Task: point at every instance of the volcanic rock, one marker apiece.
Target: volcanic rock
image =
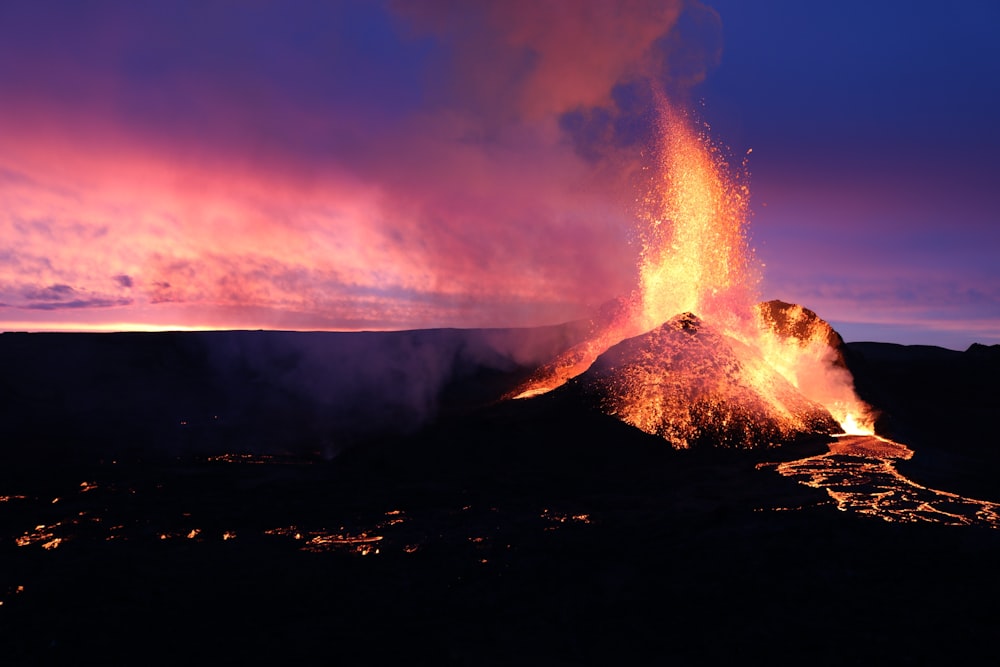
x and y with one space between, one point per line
791 320
695 387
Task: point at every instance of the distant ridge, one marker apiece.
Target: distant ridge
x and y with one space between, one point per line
898 352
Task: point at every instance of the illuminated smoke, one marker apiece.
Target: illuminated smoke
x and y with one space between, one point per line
533 58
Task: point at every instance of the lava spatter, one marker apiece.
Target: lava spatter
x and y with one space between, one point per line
694 386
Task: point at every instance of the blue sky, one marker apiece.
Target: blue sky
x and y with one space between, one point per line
874 135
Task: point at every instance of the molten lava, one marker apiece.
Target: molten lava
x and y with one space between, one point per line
695 256
859 475
695 259
810 354
694 386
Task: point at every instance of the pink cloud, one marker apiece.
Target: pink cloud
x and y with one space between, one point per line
428 223
437 215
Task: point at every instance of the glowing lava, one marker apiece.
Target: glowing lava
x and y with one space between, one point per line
694 386
695 255
695 258
859 475
809 354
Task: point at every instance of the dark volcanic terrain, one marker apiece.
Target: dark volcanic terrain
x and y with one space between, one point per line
363 498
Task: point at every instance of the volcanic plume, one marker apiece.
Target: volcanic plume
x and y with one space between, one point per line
690 355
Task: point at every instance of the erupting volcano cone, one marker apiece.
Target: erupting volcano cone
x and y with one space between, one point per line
734 375
694 386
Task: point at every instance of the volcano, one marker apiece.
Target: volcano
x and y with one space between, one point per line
690 355
695 387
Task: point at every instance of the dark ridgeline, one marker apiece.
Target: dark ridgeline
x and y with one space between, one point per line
150 395
943 403
543 531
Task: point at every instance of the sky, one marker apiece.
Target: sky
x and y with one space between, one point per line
397 165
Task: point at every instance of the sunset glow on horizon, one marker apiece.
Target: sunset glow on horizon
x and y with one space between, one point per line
373 166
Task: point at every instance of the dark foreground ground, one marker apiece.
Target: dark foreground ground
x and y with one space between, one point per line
456 531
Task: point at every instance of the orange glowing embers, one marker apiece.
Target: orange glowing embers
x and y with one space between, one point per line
743 378
188 535
53 534
692 225
43 535
16 590
256 459
557 519
362 542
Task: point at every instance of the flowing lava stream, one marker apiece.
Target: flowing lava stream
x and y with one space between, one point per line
859 475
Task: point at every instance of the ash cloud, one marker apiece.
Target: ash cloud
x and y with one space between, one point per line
675 63
528 59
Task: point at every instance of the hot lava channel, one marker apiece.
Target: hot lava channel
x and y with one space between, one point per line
859 475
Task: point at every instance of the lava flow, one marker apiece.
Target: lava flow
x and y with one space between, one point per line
757 372
859 475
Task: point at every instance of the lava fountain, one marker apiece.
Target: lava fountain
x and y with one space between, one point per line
743 367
